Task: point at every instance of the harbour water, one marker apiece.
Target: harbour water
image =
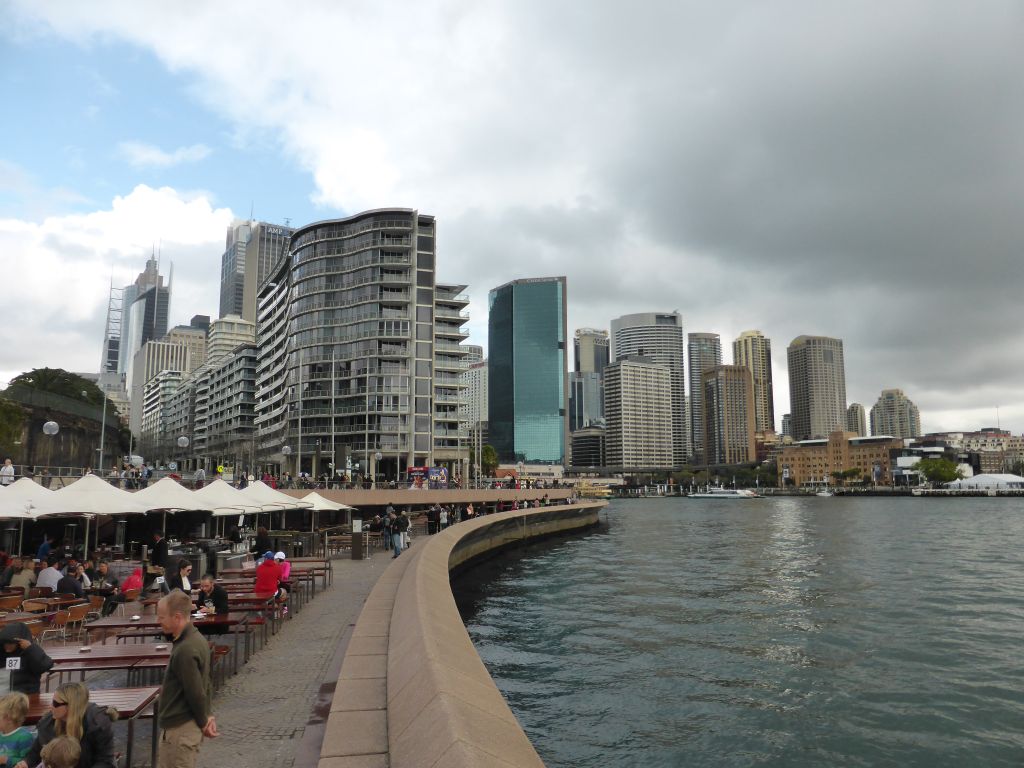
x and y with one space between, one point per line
775 632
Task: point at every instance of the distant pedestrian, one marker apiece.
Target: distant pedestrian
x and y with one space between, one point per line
185 708
7 473
199 478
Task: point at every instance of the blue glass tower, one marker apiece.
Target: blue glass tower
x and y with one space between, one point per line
527 379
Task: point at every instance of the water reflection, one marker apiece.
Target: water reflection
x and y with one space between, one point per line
793 632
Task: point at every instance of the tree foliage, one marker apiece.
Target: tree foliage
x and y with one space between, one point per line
488 460
59 382
938 470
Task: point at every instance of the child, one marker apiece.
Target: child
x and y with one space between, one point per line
23 656
62 752
15 740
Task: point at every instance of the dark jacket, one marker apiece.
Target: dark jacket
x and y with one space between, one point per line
97 739
34 661
186 693
261 545
218 599
159 554
69 585
173 582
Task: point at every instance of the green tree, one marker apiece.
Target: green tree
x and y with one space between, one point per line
938 470
488 460
59 382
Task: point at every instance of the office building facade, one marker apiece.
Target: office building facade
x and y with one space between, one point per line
754 351
658 336
817 386
729 415
856 420
528 415
704 353
638 415
251 249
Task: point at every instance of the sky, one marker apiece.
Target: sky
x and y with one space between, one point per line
820 167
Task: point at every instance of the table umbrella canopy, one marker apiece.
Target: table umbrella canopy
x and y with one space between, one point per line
89 495
321 504
167 494
20 500
225 500
261 493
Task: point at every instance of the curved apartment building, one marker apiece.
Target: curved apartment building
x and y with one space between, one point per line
360 350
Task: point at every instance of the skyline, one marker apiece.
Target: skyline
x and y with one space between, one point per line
811 159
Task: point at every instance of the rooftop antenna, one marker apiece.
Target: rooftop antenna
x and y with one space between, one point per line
252 205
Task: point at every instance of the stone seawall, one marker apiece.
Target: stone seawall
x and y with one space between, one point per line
413 691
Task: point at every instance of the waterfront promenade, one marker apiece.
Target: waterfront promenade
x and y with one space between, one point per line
412 690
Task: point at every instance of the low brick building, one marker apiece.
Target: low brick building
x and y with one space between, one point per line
810 463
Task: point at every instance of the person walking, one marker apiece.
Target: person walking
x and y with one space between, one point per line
185 708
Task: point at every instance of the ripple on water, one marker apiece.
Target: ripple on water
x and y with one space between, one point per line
791 632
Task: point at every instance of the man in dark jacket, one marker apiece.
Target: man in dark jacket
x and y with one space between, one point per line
185 697
213 598
24 657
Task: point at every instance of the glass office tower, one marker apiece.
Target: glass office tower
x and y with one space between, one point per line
527 380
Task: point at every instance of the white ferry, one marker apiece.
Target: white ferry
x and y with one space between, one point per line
725 493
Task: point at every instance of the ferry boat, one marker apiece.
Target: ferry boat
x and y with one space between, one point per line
718 492
590 491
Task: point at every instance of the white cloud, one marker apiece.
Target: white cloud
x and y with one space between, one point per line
806 168
142 155
58 272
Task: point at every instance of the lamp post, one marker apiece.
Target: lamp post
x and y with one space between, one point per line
50 429
286 451
377 456
183 442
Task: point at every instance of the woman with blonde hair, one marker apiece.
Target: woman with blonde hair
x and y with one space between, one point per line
72 715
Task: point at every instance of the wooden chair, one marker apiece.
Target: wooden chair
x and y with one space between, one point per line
11 602
96 603
58 627
36 628
130 596
34 606
40 592
76 619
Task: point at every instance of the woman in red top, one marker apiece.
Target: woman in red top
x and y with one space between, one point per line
268 576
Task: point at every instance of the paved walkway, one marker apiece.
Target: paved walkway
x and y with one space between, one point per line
273 711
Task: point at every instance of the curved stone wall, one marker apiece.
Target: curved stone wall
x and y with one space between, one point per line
413 691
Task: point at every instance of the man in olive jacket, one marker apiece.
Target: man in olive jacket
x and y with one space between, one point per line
185 709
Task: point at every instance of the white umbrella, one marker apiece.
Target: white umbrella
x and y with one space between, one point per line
88 496
261 493
20 500
225 500
321 504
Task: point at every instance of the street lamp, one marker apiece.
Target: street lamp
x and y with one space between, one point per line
286 451
378 456
50 429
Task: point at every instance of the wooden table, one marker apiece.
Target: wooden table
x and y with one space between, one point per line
151 623
58 602
104 657
129 703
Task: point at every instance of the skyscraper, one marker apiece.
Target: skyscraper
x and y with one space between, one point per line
527 377
250 250
638 399
658 336
895 415
586 383
704 352
729 422
754 351
590 350
145 306
817 386
856 421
